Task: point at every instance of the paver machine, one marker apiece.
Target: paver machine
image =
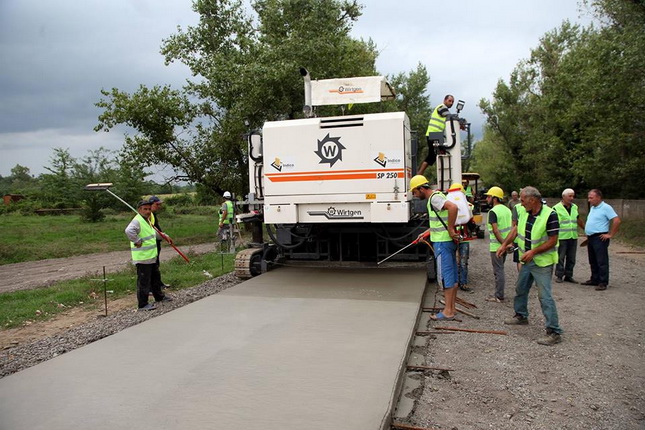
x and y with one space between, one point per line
334 189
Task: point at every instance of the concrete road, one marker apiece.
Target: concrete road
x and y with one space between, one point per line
296 348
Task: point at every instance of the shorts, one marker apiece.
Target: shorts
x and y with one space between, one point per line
445 253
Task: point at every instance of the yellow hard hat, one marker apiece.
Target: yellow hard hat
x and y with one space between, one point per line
495 192
456 187
417 181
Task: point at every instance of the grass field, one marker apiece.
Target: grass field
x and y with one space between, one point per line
21 307
30 238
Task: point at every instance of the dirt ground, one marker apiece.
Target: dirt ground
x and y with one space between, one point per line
594 379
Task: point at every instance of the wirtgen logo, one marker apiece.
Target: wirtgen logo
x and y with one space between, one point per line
333 213
330 150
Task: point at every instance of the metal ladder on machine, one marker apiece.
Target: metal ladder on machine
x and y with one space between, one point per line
444 169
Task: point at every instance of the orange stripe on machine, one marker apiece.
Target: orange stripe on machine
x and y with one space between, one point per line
336 176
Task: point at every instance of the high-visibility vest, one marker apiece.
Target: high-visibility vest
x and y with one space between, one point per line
438 233
504 224
538 237
437 122
468 191
229 213
568 221
147 252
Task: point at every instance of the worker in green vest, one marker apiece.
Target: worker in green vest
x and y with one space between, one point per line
143 247
445 239
225 217
568 238
537 233
437 123
499 226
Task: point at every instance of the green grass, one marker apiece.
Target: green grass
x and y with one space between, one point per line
31 238
631 232
21 307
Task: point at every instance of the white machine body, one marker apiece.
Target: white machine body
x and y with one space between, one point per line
349 169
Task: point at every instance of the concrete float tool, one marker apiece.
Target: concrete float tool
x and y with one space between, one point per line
106 187
414 242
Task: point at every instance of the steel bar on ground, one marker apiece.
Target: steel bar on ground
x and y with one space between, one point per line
421 333
408 427
465 303
473 331
461 311
429 368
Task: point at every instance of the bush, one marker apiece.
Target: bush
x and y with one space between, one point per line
180 200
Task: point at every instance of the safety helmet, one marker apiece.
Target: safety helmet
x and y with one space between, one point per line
456 187
417 181
227 195
495 192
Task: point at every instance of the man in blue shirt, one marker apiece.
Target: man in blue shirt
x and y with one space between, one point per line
602 224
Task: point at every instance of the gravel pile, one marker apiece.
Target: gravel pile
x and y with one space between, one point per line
21 357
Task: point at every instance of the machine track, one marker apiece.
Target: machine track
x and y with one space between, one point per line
247 263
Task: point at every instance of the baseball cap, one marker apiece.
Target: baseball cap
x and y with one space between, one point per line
155 199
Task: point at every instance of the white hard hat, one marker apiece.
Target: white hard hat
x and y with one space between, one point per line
227 195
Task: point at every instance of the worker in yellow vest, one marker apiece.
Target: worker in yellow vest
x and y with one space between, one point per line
143 247
568 238
225 217
444 237
499 226
437 123
537 233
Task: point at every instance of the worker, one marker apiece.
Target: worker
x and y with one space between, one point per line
464 215
537 233
468 191
568 238
602 224
154 220
499 226
514 201
517 209
436 124
143 248
444 237
225 217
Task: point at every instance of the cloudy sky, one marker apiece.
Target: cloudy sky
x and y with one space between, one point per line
56 56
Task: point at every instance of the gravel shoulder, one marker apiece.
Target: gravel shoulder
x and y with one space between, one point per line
594 379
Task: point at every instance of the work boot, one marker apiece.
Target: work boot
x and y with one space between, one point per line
559 280
601 287
550 339
570 280
589 282
166 298
516 320
148 307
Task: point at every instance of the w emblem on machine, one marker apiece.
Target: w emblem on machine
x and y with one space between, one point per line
330 150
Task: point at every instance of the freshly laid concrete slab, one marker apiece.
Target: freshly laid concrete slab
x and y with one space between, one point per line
296 348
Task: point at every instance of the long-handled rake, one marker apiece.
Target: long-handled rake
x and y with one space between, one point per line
106 187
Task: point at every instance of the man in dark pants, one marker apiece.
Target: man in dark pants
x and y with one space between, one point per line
568 237
144 255
602 224
154 220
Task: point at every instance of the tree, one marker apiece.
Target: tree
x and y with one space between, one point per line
572 114
246 68
58 188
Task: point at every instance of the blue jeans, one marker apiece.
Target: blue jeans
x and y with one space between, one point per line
463 252
446 255
542 276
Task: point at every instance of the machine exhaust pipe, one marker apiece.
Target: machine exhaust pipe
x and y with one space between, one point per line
307 108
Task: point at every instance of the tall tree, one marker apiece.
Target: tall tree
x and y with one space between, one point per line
246 66
572 114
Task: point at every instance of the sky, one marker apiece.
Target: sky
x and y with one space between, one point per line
55 57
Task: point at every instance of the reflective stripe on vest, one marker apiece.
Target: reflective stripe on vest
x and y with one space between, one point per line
568 221
229 213
538 237
437 123
504 225
147 252
438 233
